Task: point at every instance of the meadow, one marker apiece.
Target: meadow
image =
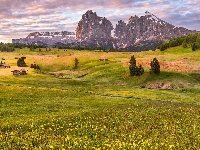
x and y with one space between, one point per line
99 105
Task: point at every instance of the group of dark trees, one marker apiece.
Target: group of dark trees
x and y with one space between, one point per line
34 46
78 47
10 47
7 47
138 70
192 40
21 62
36 67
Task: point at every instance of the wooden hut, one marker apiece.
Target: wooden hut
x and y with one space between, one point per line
19 72
4 65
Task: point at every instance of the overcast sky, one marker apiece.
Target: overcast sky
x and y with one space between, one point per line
20 17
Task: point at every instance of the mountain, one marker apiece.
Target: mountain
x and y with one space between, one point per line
145 29
93 30
139 33
47 38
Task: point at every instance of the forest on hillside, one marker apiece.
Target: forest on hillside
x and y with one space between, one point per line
192 40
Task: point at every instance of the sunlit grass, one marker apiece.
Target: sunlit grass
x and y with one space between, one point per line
98 105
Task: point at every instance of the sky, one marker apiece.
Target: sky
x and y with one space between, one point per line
18 18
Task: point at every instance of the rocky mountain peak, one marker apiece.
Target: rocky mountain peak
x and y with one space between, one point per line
145 29
93 29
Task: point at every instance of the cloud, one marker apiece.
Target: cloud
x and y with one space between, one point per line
20 17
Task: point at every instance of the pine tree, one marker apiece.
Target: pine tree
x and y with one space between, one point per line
37 67
155 66
76 62
198 42
135 70
32 66
194 47
184 44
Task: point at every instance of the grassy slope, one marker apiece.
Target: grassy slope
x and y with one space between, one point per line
40 110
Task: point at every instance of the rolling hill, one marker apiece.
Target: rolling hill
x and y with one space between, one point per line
99 105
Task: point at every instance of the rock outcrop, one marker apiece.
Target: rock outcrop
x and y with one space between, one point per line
146 28
140 33
47 38
93 30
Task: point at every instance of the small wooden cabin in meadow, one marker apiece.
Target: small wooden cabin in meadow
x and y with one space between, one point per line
19 72
4 65
102 59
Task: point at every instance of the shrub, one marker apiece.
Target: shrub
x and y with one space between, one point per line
155 66
76 62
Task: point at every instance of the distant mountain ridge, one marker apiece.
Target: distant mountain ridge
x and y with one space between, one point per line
47 38
140 33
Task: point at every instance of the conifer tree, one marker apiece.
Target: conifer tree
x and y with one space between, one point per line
135 70
76 62
32 66
194 47
184 44
198 42
155 66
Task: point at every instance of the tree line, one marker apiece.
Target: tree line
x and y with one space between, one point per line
6 47
192 41
78 47
10 47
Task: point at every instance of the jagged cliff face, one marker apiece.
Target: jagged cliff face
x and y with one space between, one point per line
47 38
93 30
145 28
139 33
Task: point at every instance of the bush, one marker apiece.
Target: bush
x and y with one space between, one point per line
76 62
135 70
155 66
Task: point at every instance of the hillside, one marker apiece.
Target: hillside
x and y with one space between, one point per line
190 41
99 105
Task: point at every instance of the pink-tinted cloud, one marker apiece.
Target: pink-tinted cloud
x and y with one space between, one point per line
19 17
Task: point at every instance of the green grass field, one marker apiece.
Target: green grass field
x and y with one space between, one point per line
99 105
